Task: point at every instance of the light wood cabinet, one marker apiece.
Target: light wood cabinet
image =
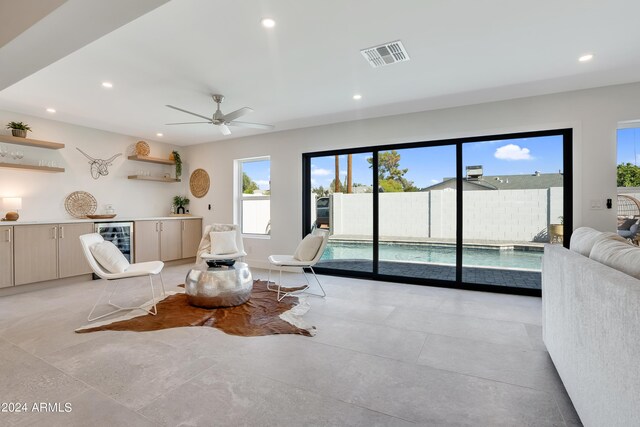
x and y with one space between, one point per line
146 241
35 253
167 240
191 236
6 257
170 240
71 258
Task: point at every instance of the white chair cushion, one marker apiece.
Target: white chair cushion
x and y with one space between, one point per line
223 242
618 255
109 257
584 238
308 248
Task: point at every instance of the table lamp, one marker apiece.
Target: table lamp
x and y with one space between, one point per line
11 206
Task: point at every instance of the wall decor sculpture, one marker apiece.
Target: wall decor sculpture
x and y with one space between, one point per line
99 167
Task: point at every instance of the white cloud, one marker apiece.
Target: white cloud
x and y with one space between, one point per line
319 171
435 181
262 182
343 173
512 152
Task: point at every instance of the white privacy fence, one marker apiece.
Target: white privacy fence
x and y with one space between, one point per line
516 215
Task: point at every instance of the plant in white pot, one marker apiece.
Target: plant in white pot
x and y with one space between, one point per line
18 129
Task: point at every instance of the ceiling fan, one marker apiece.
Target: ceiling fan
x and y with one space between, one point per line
223 121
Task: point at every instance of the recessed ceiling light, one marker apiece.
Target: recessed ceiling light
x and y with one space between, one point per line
268 23
357 96
108 85
158 134
585 58
51 110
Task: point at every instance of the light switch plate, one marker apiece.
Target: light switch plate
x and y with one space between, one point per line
596 204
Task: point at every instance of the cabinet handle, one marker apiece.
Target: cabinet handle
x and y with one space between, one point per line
61 232
9 235
183 226
55 233
162 226
157 227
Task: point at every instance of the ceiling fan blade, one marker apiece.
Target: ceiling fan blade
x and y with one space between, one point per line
224 129
188 123
238 113
251 125
189 112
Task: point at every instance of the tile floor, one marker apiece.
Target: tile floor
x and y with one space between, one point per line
385 354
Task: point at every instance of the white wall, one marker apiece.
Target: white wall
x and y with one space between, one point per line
43 193
592 113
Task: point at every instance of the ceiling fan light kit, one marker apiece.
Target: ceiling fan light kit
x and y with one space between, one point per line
223 121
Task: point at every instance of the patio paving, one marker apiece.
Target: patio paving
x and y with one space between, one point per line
485 276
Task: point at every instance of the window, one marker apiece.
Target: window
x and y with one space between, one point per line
253 189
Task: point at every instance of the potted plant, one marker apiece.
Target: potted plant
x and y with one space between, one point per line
18 129
176 156
556 231
180 202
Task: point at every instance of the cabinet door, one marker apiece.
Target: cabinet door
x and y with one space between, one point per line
170 240
71 259
146 241
6 257
191 236
35 253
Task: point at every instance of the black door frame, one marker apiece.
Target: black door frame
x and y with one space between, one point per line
567 137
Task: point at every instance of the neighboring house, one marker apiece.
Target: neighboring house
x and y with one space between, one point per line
478 181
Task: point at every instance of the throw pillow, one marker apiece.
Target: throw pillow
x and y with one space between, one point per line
109 257
308 248
627 223
618 255
223 242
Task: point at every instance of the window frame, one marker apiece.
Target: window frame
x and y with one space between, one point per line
240 197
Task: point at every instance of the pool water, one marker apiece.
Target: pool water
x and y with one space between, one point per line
429 253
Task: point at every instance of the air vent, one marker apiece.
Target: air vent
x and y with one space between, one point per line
388 53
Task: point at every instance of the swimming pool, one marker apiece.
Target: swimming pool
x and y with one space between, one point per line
437 254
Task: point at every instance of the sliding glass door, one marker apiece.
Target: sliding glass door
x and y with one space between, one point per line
417 212
471 213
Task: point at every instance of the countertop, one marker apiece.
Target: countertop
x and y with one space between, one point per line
75 221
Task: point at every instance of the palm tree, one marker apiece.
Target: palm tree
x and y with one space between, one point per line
336 188
349 174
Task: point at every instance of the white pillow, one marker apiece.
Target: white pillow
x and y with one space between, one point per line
223 242
109 257
308 248
619 255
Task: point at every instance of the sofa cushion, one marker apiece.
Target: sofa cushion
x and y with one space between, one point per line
583 239
109 257
618 255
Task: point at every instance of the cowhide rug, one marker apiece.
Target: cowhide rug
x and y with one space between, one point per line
261 315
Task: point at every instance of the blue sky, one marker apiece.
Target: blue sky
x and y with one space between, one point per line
428 166
259 172
629 146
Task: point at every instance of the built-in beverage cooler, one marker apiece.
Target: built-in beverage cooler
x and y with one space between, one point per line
120 234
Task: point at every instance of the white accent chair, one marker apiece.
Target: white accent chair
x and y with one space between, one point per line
150 269
204 249
281 261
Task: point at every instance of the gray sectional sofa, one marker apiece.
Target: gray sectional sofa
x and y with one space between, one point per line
591 324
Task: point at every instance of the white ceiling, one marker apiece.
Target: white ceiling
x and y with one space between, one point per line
304 71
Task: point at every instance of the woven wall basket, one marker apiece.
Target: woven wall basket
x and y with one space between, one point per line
79 204
199 183
142 148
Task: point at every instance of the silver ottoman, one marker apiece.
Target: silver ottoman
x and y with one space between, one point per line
211 287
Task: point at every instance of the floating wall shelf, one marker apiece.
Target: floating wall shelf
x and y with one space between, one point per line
31 167
27 142
153 178
148 159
